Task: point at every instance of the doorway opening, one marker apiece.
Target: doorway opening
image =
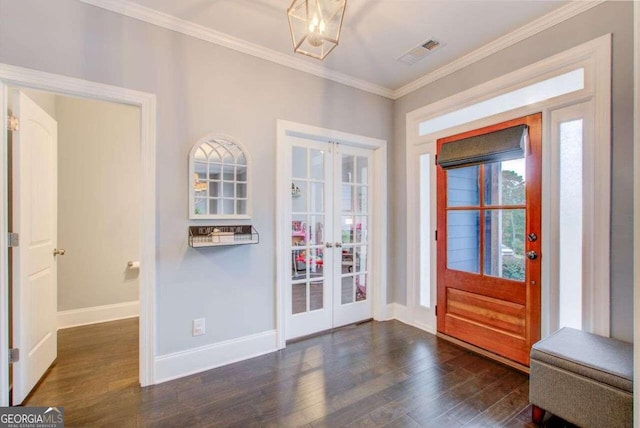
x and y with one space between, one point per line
75 204
68 86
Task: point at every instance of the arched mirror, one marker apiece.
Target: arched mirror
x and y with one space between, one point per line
218 180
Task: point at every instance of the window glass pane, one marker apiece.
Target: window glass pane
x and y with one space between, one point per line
463 240
462 186
361 229
299 232
361 287
347 260
200 170
362 175
347 290
241 206
426 233
228 173
241 173
316 230
317 197
540 91
200 206
298 298
362 193
315 262
348 175
571 202
229 191
214 206
317 164
504 183
299 162
317 295
348 229
298 264
361 259
504 236
215 171
241 190
214 189
228 206
299 197
347 198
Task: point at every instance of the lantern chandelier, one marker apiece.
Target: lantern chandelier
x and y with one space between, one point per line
315 26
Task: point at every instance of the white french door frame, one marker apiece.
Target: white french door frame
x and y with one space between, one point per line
378 244
595 58
12 76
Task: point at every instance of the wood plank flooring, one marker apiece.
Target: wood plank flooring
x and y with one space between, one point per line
374 374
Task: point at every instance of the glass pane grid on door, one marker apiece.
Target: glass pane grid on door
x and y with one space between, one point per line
307 230
354 228
486 220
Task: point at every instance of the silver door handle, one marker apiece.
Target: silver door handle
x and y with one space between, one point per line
328 245
532 255
58 252
338 244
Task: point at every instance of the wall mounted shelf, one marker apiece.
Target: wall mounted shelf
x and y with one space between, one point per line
220 236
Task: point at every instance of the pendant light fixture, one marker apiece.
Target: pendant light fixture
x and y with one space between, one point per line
315 26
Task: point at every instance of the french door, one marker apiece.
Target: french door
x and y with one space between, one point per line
489 247
330 237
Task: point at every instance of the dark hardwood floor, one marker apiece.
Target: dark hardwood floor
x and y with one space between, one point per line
374 374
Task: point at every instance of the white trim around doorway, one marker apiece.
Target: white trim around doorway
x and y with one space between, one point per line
283 230
595 57
12 76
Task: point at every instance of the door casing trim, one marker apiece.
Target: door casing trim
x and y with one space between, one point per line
379 226
595 57
23 77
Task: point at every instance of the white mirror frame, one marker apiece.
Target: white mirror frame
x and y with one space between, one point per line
218 138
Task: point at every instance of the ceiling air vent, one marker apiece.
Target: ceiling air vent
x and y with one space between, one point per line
420 51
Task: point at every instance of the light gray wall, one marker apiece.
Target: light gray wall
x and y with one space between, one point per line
610 17
98 202
200 88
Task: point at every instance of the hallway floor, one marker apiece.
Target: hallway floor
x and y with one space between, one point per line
373 374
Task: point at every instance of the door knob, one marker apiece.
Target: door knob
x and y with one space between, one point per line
328 245
532 237
338 244
58 252
532 255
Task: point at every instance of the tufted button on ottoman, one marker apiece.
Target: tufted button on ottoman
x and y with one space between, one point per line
582 378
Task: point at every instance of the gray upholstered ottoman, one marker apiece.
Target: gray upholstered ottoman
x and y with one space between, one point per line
582 378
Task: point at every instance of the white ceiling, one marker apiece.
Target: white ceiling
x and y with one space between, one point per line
375 32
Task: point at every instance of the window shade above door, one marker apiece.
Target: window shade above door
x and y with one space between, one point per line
506 144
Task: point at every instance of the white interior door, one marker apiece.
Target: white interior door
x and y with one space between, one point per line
34 214
329 252
352 195
311 253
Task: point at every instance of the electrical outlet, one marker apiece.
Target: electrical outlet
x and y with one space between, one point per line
197 327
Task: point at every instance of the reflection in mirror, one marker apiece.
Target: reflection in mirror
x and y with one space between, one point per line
219 180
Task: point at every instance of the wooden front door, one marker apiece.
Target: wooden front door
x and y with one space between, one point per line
489 248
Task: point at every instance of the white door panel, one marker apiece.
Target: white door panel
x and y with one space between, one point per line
329 252
34 208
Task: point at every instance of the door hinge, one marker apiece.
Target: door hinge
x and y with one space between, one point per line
13 239
13 123
436 310
435 159
14 355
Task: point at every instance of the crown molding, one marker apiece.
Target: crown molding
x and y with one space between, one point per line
170 22
534 27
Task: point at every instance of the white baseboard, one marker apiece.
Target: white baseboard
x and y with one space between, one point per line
98 314
403 314
191 361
